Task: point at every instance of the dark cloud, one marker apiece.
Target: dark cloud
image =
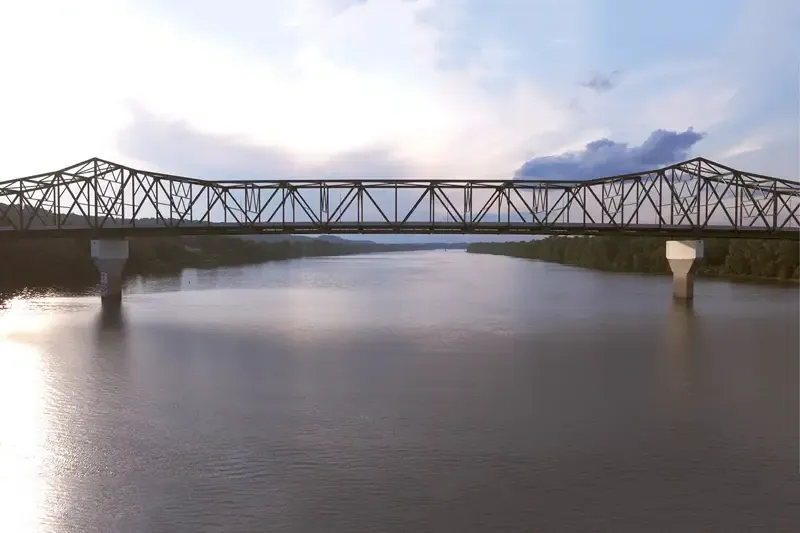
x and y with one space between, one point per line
605 157
341 6
177 147
575 105
602 83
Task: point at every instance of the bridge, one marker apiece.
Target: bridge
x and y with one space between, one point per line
689 201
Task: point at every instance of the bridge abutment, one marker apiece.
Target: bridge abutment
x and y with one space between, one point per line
683 257
110 256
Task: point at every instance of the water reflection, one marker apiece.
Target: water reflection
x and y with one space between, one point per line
681 358
23 420
110 331
682 328
110 319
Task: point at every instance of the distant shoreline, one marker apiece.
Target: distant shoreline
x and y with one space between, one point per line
740 261
66 263
703 275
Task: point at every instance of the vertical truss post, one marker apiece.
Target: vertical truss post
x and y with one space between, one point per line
698 181
431 217
774 206
95 179
360 205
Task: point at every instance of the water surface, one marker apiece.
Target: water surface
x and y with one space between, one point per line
427 391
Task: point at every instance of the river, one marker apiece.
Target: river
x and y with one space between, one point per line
423 391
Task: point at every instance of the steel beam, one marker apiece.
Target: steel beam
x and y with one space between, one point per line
691 200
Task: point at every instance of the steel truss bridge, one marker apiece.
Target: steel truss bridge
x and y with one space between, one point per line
694 199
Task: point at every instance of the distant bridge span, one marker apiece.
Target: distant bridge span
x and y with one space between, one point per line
691 200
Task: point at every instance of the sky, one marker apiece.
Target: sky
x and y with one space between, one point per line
399 88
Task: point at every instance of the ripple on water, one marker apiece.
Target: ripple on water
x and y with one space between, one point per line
431 392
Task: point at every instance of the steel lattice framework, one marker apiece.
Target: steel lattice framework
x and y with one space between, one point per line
694 199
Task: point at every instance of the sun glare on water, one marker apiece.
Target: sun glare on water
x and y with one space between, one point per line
23 423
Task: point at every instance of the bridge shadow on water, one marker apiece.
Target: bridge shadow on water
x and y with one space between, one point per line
683 327
680 366
110 330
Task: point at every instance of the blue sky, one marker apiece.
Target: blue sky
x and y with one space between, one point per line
385 88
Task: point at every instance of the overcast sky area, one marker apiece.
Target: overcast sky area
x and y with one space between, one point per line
399 88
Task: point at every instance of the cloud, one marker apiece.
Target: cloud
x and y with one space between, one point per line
602 83
605 157
439 88
177 147
161 144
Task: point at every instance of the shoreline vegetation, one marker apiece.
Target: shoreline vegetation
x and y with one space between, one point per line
66 263
739 260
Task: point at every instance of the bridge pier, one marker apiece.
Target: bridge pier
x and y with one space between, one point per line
682 257
109 256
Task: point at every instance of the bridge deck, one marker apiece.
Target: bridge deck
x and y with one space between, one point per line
408 228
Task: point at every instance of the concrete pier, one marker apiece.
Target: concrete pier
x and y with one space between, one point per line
109 256
683 257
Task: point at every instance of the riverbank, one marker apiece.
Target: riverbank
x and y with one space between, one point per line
739 260
67 262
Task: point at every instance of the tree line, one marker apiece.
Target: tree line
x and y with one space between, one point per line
732 258
68 263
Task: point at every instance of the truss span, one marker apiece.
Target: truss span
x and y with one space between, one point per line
694 199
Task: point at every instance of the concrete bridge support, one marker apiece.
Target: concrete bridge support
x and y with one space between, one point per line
109 256
683 257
